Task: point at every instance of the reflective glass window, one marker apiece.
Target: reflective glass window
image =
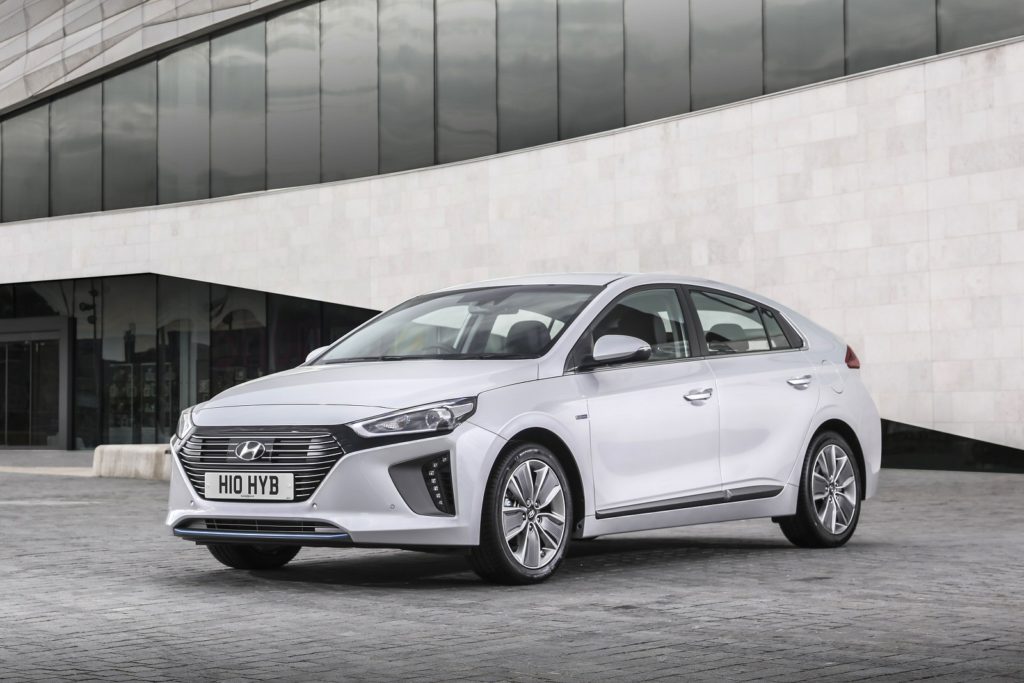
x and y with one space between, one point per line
76 152
348 82
590 66
43 299
88 391
293 97
129 359
406 84
657 59
803 42
238 112
339 320
238 336
26 164
884 32
6 301
295 328
183 142
527 73
963 23
467 117
129 138
726 52
183 348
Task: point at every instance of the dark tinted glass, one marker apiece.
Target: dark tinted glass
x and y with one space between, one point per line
340 320
406 84
590 66
184 133
129 359
129 138
295 328
803 42
963 23
238 336
348 82
467 117
725 55
884 32
183 347
238 111
26 165
76 152
527 73
88 390
6 301
293 98
43 299
657 59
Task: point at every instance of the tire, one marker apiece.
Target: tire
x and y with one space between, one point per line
254 556
533 553
828 506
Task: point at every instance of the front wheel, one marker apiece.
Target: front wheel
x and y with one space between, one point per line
253 556
526 520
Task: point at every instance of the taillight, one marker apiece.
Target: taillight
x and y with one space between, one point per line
852 361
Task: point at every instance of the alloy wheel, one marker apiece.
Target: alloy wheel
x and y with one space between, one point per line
533 514
834 488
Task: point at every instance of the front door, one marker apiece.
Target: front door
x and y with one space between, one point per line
33 384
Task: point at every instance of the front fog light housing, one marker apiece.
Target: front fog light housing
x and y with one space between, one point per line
185 424
436 418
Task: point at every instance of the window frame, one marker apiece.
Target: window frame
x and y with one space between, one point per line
796 341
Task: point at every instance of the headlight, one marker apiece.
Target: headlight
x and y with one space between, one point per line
185 423
434 418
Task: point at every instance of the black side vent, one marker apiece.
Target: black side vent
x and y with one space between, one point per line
425 484
437 475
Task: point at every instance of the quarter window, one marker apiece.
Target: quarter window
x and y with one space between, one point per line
731 325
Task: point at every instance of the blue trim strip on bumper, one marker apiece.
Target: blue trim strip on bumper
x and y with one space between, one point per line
258 536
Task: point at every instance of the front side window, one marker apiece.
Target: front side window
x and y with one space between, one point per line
494 322
730 325
652 315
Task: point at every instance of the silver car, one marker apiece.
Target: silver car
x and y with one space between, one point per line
508 417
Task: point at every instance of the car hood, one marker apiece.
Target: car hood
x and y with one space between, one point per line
369 388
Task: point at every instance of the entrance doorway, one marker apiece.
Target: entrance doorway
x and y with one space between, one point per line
34 383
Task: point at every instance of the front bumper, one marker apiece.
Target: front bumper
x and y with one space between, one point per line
358 502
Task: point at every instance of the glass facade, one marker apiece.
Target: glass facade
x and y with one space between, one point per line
338 89
143 347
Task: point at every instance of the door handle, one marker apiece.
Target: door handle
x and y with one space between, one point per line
698 395
800 382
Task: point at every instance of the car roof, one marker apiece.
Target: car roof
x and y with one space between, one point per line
595 279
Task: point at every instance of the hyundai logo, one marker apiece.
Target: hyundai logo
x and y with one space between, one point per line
250 450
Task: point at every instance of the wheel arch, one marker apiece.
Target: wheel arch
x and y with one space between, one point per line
846 431
563 453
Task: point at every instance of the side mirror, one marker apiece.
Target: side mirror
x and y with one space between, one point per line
314 353
617 348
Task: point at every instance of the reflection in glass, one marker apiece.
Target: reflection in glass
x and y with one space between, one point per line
183 348
129 359
963 23
88 311
43 299
26 165
803 42
183 143
590 66
657 59
884 32
467 117
725 55
527 73
238 111
406 84
348 83
129 138
6 301
238 336
339 320
295 327
293 98
76 152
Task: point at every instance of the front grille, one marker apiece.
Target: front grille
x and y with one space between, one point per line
257 526
309 454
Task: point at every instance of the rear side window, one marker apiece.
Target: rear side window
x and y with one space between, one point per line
733 325
776 336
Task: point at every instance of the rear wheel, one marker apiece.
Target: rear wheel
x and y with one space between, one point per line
527 517
828 507
254 556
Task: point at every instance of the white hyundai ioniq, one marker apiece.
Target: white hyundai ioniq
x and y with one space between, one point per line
507 418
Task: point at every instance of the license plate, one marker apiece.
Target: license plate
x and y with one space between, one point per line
250 486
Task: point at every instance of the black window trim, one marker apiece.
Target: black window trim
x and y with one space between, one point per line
796 342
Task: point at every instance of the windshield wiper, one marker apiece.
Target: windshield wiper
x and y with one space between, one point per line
366 359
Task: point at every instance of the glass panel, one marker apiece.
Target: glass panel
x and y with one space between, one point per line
467 117
238 336
730 325
884 32
76 152
129 359
293 98
6 301
18 395
527 73
339 320
184 135
41 299
725 57
183 347
406 84
776 336
26 165
652 315
238 118
348 83
590 66
88 359
45 393
803 42
657 59
963 23
129 138
294 330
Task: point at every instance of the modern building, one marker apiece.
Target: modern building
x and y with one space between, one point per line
196 193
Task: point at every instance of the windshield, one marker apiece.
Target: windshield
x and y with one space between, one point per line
492 322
